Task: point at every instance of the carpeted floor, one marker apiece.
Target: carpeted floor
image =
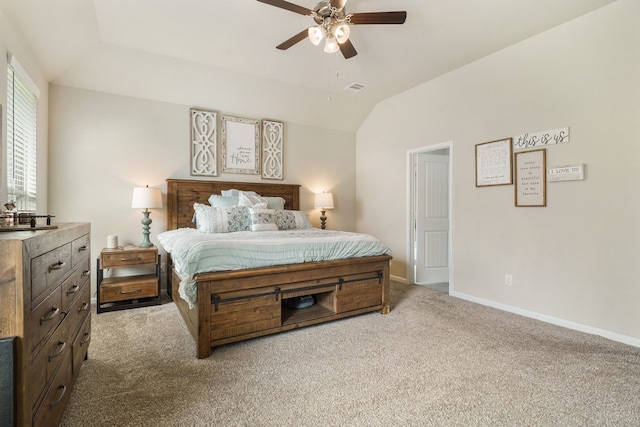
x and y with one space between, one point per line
433 361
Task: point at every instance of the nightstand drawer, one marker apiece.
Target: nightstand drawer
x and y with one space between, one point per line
128 288
122 258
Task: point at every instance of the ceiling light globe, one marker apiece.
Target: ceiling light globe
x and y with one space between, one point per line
342 32
331 45
315 35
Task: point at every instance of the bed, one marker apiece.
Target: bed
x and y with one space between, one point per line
239 304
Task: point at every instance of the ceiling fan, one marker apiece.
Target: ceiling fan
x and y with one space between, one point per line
333 24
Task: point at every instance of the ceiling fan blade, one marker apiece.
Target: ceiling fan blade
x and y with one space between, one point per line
288 6
378 18
293 40
338 4
347 49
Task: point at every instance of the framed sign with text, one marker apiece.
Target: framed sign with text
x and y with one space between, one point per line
493 163
531 178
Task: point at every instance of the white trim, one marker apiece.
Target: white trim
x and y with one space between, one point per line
410 172
625 339
399 279
11 59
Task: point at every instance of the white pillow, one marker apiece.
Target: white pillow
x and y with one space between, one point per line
223 201
275 202
262 220
251 201
235 193
291 220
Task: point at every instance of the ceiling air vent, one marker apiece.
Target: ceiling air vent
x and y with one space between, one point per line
355 87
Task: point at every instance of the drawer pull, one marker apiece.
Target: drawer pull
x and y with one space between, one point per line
86 338
57 266
84 307
62 346
82 248
132 291
72 290
133 258
64 390
85 273
53 313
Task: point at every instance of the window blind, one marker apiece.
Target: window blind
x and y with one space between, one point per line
21 141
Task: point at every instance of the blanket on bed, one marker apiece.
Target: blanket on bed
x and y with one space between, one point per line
195 252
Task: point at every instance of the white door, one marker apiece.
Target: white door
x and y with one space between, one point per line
432 217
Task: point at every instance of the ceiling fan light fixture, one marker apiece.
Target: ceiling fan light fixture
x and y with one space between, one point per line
342 32
315 35
331 45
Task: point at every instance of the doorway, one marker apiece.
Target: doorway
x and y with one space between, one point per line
430 191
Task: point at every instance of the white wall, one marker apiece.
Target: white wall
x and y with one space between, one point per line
574 261
10 42
102 145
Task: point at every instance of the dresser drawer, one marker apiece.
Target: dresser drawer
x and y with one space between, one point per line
80 249
73 284
48 360
81 344
56 397
80 309
48 271
118 258
121 289
44 319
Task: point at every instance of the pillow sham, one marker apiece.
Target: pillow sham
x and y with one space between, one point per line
275 202
221 220
291 220
223 201
251 200
235 193
262 220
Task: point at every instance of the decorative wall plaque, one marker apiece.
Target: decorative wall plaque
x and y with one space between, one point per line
240 145
204 133
272 149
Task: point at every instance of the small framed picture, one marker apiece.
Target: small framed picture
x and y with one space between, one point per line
240 145
493 163
531 178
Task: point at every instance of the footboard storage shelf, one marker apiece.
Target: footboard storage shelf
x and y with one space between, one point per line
238 305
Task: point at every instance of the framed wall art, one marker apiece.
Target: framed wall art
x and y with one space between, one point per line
240 145
493 163
272 149
204 135
531 178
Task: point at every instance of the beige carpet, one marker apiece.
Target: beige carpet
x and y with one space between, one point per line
433 361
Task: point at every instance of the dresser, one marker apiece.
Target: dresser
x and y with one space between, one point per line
45 303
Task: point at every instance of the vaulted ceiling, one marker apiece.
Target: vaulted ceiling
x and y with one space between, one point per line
135 47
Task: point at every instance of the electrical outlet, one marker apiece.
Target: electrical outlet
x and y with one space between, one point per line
508 279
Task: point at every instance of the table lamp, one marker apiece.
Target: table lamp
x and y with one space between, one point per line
146 198
323 201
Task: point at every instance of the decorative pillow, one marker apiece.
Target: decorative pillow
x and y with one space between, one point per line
236 193
223 201
262 220
252 201
291 220
274 202
221 220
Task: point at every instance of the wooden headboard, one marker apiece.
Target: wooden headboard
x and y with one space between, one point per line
183 193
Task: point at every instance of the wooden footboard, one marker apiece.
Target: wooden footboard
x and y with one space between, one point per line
239 305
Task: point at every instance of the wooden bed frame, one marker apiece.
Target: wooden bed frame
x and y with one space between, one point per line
242 304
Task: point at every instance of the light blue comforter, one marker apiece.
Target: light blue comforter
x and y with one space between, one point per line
194 252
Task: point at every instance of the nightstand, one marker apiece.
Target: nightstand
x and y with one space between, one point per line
138 287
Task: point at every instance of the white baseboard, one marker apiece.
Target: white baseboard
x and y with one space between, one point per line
398 279
625 339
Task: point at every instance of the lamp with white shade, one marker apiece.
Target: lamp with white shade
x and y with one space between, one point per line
323 201
146 198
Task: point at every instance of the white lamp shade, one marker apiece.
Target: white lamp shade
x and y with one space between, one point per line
324 201
331 45
315 35
342 33
146 198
